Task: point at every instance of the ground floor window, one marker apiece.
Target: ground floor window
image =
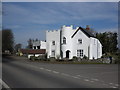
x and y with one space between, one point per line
34 47
53 53
38 47
80 53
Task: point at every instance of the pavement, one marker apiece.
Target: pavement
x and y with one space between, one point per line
22 73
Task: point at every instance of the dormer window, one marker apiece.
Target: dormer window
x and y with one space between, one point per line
64 40
53 42
80 41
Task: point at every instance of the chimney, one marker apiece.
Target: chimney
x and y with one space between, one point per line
87 27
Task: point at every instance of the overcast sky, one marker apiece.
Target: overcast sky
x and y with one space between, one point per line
31 19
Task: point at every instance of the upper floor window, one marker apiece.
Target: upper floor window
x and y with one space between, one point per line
94 42
53 42
64 40
80 41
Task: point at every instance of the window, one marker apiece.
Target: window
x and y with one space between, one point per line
53 42
64 40
53 53
38 47
80 53
80 41
34 47
94 41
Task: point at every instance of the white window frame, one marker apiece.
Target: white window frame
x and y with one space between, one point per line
53 53
80 53
53 42
64 40
80 41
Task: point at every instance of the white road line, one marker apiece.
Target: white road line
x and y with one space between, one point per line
75 77
86 80
4 84
116 85
95 79
41 68
81 76
78 75
48 70
65 74
110 83
55 72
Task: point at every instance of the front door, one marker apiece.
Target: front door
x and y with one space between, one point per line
67 54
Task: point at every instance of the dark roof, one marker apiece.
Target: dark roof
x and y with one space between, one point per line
33 51
86 32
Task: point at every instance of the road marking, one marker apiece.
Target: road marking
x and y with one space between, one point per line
81 76
110 83
41 68
55 72
95 79
86 80
75 77
48 70
65 74
116 85
4 84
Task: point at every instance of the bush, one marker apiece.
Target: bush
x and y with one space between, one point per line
41 57
85 57
33 58
75 58
52 59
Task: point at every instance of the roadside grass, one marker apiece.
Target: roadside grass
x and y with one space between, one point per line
66 61
60 61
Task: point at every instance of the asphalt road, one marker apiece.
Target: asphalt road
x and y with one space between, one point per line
25 74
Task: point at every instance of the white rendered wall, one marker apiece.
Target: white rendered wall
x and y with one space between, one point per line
91 46
36 55
67 32
42 45
53 36
76 46
95 48
36 43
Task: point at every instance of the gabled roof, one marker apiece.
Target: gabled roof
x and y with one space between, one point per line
86 32
33 51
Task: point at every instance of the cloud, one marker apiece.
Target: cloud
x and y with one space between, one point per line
60 12
30 20
60 1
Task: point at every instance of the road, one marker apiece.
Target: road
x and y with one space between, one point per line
20 73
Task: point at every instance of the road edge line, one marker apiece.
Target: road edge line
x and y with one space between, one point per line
4 84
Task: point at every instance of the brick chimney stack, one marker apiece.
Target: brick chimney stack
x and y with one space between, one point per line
87 27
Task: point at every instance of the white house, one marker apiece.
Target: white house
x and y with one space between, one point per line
68 42
37 44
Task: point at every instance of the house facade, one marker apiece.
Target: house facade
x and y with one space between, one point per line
68 43
37 44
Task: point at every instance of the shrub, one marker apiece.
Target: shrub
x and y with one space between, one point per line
52 59
41 57
75 58
33 58
85 57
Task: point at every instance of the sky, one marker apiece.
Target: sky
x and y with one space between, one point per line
32 19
